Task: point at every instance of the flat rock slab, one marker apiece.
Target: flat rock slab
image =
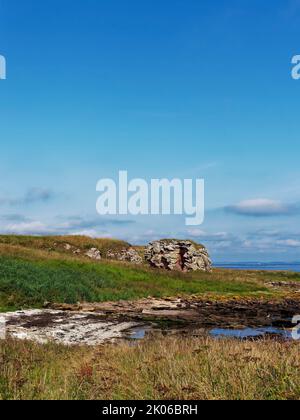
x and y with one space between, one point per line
67 328
203 313
98 323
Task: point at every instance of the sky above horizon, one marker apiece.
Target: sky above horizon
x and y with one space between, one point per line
162 89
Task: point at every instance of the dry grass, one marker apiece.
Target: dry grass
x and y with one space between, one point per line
166 368
57 243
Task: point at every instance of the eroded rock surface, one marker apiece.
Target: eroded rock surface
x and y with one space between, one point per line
194 311
127 255
178 255
94 254
98 323
68 328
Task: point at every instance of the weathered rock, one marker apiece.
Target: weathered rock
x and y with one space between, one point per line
178 255
63 327
94 254
223 313
129 255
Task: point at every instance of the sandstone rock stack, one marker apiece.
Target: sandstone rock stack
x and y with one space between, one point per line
177 255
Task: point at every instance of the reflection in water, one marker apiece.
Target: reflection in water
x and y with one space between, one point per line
142 332
250 333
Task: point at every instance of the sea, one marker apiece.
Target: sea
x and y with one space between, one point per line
271 266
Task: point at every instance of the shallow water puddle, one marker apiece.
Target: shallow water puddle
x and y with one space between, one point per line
250 333
141 333
90 328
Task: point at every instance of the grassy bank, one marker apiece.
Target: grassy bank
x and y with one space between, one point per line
35 270
166 368
29 283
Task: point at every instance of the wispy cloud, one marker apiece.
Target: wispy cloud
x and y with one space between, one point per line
74 225
38 194
255 243
33 195
79 222
275 239
292 243
209 236
263 207
214 240
14 218
269 241
29 228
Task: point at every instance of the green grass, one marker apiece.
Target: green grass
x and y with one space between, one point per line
29 283
36 270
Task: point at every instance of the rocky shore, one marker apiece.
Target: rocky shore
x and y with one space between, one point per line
94 324
205 313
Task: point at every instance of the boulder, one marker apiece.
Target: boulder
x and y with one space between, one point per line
94 254
178 255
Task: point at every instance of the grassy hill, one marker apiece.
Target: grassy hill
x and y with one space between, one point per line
38 269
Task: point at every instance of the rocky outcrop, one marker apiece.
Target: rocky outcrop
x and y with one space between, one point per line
177 255
65 328
127 255
94 254
171 255
70 248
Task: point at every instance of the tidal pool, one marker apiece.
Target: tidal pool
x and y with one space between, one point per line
141 333
87 328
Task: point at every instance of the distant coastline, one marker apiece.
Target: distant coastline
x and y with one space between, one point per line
270 266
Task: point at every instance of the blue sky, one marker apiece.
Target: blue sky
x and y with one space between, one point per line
189 89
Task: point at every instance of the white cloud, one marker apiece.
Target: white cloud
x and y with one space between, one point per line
198 233
293 243
262 207
39 228
31 228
